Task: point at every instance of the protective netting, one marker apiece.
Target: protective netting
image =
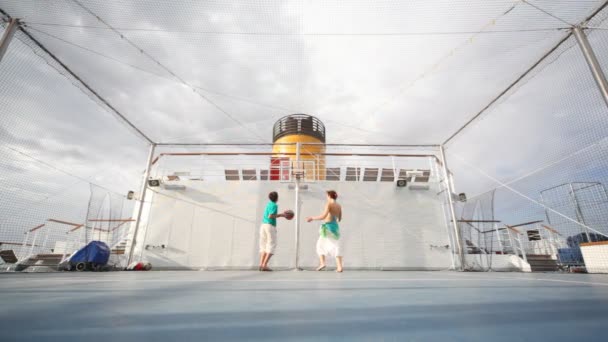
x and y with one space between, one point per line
88 85
201 216
61 153
541 149
230 69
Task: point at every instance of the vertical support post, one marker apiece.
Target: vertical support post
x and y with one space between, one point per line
450 191
9 32
500 244
521 248
65 247
46 237
395 175
297 205
513 250
542 201
142 199
592 62
579 213
23 253
33 242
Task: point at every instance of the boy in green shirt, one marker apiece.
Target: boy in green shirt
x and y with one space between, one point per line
268 231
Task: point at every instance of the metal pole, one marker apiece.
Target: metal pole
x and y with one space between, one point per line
142 199
9 32
592 62
46 237
297 208
502 248
22 252
542 200
579 213
506 90
395 175
450 191
33 243
521 248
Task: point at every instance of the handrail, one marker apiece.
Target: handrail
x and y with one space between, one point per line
122 222
113 220
526 223
75 228
551 229
293 154
63 222
472 226
513 229
477 229
113 229
37 227
478 221
17 244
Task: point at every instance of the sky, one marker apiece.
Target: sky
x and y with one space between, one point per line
375 72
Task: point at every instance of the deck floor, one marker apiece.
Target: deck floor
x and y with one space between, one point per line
314 306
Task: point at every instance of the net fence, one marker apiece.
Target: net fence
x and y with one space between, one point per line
207 210
88 85
540 151
65 159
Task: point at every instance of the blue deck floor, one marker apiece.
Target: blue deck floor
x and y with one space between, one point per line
314 306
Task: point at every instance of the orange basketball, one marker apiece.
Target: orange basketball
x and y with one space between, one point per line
289 214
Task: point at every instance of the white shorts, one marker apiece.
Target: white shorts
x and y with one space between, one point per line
329 246
268 238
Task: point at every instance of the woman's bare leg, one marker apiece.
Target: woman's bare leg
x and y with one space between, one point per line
321 262
339 264
262 257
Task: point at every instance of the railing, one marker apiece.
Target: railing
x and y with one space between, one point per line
336 163
25 252
488 239
516 243
539 238
74 237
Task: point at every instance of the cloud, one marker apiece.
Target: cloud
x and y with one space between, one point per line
395 72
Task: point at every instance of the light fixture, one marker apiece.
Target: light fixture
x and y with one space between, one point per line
153 182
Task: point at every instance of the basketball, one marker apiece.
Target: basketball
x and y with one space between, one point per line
289 214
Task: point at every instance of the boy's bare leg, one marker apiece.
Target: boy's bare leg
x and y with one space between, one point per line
265 262
339 264
321 262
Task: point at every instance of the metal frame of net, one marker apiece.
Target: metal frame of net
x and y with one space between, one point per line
511 94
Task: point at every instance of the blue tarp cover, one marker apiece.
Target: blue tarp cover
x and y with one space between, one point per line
96 252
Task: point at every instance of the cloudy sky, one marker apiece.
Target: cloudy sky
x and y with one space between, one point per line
402 72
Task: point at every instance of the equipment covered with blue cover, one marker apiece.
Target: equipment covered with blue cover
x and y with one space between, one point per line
570 256
92 256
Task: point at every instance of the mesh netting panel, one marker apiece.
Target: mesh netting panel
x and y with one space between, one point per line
208 210
88 85
231 69
548 133
55 142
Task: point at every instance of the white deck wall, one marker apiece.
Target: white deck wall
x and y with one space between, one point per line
214 225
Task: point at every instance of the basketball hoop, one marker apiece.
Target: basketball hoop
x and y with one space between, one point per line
297 174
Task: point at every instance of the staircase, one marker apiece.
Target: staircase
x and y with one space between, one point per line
48 260
120 248
542 263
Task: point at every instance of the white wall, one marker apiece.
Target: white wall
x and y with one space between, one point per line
215 225
595 255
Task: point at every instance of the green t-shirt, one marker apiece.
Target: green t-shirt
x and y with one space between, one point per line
271 209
